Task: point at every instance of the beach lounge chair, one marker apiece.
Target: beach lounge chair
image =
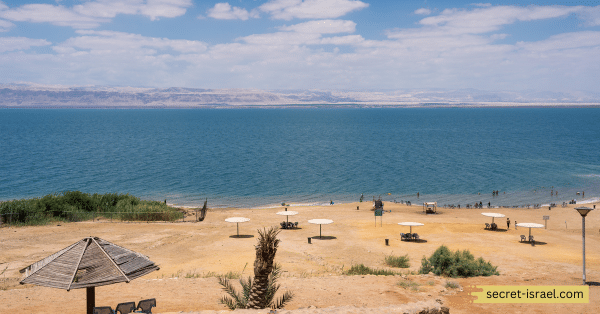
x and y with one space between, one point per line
415 236
103 310
487 225
125 308
523 238
296 224
404 237
145 306
283 225
531 239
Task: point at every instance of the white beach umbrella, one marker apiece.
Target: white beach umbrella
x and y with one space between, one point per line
237 220
493 215
530 225
287 214
320 222
410 224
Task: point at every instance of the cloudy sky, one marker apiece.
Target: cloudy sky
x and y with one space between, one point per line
303 44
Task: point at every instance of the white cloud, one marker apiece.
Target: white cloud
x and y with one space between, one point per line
343 40
5 25
278 39
591 15
453 49
455 22
224 11
46 13
322 27
310 9
111 42
423 11
92 14
20 43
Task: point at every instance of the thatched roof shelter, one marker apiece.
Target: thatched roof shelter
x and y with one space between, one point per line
89 263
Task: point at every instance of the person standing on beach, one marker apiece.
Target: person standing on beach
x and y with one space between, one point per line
507 223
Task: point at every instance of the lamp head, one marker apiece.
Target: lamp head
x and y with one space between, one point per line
583 211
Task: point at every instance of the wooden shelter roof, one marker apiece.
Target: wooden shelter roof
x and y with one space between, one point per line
91 262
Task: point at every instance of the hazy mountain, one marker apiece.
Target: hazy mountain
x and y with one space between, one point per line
54 96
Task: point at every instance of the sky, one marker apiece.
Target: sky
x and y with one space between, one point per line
303 44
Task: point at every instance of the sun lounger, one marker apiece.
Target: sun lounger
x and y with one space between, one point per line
531 239
523 238
404 236
103 310
415 236
296 224
487 225
283 225
145 306
125 308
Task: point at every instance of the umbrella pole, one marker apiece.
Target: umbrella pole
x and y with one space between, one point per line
320 232
238 229
530 233
91 299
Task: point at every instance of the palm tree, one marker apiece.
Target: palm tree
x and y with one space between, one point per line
260 292
263 266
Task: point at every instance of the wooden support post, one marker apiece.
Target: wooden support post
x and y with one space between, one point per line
91 299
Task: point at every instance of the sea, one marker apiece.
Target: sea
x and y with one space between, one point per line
261 158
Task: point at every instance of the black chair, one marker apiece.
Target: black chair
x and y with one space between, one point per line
145 306
125 308
523 238
103 310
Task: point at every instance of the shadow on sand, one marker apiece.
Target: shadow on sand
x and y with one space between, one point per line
242 236
497 230
592 283
323 238
534 243
416 241
290 228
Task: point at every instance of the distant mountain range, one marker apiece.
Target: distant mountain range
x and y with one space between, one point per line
54 96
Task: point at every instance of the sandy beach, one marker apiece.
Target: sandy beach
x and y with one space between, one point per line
191 253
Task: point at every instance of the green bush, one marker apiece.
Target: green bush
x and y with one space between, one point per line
398 261
444 262
361 269
78 206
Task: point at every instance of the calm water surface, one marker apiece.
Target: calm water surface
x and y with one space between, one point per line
261 157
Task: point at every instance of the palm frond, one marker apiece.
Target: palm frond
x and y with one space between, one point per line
237 300
285 298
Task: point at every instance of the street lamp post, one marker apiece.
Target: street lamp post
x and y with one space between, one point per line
583 211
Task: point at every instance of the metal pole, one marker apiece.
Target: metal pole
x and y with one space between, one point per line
320 232
583 235
238 229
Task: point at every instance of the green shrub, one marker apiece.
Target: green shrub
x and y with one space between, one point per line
452 285
361 269
398 261
79 206
458 264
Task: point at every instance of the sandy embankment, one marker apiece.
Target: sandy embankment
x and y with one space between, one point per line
189 252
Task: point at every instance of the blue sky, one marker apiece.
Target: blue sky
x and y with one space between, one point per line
303 44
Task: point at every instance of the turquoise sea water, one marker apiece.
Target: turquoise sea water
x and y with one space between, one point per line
261 157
